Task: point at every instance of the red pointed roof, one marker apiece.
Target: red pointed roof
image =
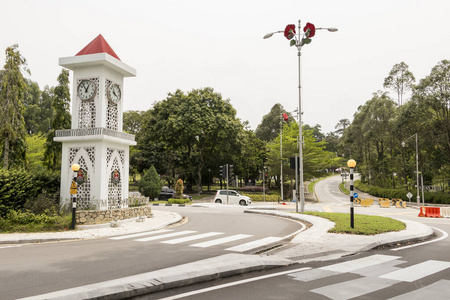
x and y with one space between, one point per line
98 45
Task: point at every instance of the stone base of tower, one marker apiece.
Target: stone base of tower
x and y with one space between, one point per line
103 156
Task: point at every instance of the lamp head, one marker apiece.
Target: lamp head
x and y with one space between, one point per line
351 163
268 35
332 29
403 144
75 167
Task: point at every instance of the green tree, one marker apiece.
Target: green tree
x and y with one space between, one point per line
400 80
250 160
61 120
35 153
270 125
186 129
150 184
12 91
341 125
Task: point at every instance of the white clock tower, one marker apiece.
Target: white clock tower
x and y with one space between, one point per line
96 141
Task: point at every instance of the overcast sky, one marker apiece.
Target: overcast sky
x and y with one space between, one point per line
185 44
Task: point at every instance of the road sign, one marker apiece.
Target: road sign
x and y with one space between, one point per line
409 195
355 195
73 188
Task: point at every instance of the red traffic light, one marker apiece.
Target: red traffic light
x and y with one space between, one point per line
285 117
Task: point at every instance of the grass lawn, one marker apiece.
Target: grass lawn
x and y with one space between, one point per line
364 225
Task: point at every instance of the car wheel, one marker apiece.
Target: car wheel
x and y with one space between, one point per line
242 202
218 201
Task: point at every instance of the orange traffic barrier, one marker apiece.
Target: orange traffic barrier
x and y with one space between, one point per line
430 212
366 202
433 212
385 203
422 211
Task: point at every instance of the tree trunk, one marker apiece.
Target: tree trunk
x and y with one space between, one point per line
6 155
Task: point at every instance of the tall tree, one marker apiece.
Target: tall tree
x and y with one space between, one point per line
186 129
12 90
270 125
61 120
400 80
341 125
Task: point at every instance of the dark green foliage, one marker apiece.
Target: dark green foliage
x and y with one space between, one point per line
436 198
18 186
150 184
178 201
17 221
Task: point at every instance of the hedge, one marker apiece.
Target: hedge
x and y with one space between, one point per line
17 186
178 201
257 197
435 198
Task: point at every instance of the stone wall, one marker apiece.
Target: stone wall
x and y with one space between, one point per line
90 217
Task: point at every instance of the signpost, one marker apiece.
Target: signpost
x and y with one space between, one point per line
409 195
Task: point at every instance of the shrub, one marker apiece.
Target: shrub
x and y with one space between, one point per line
179 188
430 197
17 186
150 184
178 201
258 197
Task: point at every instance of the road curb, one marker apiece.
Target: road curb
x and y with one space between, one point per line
155 281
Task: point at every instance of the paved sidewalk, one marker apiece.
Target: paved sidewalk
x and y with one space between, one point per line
159 220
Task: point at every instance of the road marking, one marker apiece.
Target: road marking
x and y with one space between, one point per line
437 290
222 240
191 238
360 263
130 236
327 209
417 271
160 237
254 244
222 286
3 247
444 236
353 288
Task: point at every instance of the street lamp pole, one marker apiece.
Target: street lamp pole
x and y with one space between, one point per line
281 155
73 191
298 41
351 164
417 164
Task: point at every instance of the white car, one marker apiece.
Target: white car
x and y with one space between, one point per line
233 198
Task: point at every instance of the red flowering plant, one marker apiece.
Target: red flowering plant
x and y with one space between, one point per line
289 31
309 30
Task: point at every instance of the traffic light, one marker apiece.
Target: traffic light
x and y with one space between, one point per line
285 117
221 171
230 171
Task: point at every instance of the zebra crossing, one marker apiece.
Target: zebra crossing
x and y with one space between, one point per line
211 239
378 272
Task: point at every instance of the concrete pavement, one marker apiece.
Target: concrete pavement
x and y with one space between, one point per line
314 243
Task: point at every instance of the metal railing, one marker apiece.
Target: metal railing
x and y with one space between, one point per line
93 132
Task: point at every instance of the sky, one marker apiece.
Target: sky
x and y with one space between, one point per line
191 44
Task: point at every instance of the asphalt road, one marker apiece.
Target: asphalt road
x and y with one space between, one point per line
420 272
416 271
34 269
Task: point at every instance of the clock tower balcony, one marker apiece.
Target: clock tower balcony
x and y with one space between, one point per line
94 134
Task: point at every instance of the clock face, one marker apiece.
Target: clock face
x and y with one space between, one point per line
114 93
86 90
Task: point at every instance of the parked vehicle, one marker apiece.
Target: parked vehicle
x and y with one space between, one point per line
167 193
233 198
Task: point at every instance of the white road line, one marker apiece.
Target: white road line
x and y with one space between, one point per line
222 286
191 238
444 236
222 240
3 247
360 263
417 271
130 236
254 244
160 237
